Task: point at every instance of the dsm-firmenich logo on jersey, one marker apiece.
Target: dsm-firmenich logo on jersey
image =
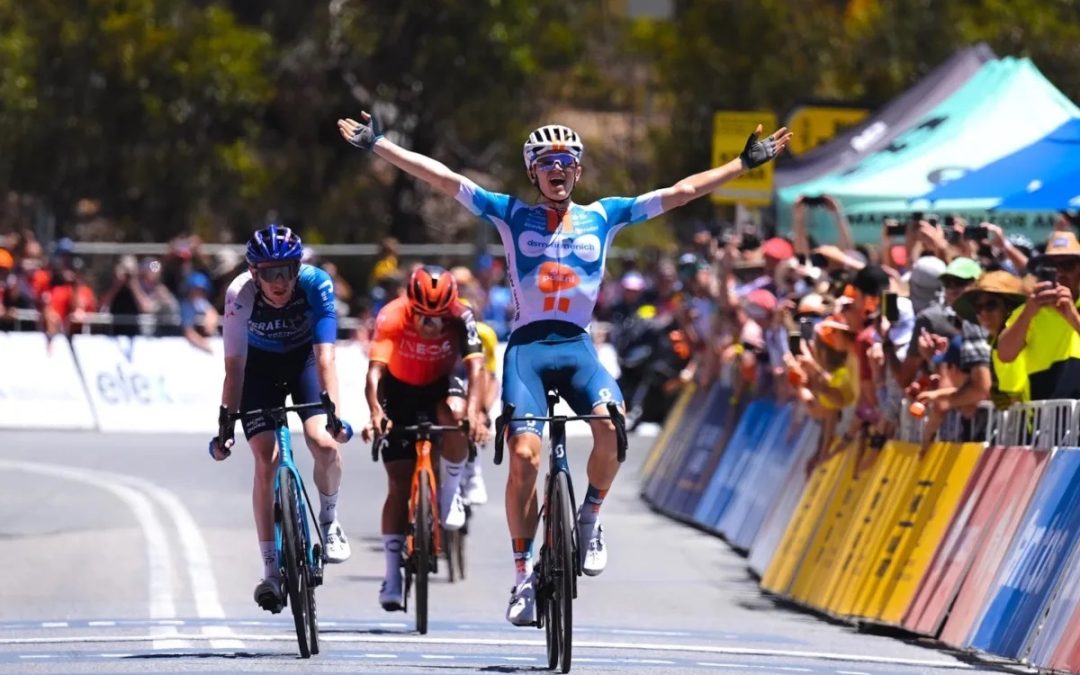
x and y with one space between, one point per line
534 244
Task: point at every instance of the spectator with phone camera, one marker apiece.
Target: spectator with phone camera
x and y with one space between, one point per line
1045 330
994 297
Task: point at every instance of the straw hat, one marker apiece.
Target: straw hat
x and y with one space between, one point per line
1000 283
1062 244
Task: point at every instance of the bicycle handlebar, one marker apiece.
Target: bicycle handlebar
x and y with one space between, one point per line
421 429
614 415
227 420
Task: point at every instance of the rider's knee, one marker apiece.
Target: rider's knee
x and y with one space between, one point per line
453 411
324 447
524 459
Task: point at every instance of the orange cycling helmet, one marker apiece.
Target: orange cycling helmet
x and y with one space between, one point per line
432 290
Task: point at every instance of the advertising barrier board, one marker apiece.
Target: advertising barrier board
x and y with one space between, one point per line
40 387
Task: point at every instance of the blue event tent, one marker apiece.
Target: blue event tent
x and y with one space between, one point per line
1042 176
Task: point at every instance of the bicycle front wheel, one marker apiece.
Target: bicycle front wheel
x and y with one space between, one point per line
563 572
294 546
422 550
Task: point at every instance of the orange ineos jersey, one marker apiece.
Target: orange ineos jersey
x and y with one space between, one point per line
418 360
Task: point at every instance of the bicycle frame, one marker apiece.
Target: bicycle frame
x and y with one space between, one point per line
558 463
423 463
285 463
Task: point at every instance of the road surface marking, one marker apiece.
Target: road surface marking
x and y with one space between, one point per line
54 624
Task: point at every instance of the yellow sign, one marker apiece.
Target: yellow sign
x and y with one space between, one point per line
812 125
730 131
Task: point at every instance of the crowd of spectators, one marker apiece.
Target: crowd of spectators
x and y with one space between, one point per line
942 313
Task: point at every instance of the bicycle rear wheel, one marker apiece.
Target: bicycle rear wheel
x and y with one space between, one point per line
296 582
422 550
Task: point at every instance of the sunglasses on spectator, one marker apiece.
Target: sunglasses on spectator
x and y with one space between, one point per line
548 162
271 273
988 306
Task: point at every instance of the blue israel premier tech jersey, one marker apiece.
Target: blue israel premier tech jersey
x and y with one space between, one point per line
555 259
308 317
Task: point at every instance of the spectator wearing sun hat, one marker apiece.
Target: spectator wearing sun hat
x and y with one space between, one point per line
994 297
1045 330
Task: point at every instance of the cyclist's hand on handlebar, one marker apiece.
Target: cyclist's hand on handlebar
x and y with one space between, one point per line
478 428
218 451
364 133
345 433
380 425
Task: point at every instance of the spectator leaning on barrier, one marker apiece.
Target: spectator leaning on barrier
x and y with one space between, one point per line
1045 331
994 297
161 302
974 356
124 299
195 306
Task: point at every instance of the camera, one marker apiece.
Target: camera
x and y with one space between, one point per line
806 329
1045 272
819 200
794 343
952 236
890 308
975 232
894 228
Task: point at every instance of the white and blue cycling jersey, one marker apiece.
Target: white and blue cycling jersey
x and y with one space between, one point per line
555 260
309 316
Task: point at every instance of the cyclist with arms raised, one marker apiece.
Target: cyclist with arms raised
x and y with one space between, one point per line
279 333
418 341
555 253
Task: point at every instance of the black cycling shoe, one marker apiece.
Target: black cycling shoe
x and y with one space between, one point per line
268 595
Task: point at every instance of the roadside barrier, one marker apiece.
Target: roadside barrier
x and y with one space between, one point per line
976 544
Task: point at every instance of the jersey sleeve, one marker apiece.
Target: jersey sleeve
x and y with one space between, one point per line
318 288
239 301
622 211
388 326
484 203
471 346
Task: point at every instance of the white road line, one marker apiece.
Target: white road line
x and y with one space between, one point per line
438 657
54 624
100 623
159 559
851 672
38 656
197 559
537 644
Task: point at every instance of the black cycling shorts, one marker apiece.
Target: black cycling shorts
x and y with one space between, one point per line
270 376
405 403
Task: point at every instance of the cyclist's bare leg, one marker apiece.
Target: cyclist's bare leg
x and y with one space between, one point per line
327 456
522 511
454 447
454 451
395 514
264 448
604 459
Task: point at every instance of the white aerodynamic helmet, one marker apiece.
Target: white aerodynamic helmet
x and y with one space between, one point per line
552 138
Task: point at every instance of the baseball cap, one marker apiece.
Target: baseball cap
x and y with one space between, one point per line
966 269
198 280
924 282
777 249
811 304
633 281
903 329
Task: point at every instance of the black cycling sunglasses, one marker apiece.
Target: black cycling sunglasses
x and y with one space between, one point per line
270 273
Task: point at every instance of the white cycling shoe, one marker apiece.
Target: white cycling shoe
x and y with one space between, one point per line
593 548
476 490
522 609
337 545
453 517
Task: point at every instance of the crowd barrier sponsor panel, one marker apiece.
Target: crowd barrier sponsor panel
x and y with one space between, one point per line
785 564
1000 518
953 558
741 445
705 447
671 423
671 459
936 497
40 387
743 521
786 500
145 384
1057 643
880 467
819 564
1035 560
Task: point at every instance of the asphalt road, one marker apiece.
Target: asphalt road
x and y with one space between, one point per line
135 553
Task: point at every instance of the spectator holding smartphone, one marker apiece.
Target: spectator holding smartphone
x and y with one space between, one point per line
1045 331
995 296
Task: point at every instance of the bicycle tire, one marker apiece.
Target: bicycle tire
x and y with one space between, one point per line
422 550
546 609
450 544
295 566
566 569
313 616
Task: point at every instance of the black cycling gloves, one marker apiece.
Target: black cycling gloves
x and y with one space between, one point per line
367 134
757 152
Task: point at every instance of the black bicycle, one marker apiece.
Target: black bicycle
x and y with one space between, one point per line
300 558
423 541
560 562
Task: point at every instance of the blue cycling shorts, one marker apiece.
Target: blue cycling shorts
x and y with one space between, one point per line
553 354
270 376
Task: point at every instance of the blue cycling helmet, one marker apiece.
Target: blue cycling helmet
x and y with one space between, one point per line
274 243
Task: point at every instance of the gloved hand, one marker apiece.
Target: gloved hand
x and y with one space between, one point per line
757 152
345 433
220 446
363 134
219 452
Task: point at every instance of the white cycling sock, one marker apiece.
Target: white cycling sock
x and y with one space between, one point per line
393 544
327 508
450 474
269 558
473 469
